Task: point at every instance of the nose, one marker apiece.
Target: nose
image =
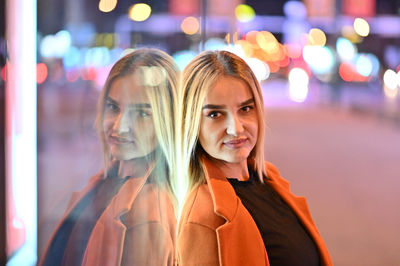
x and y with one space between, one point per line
123 123
234 126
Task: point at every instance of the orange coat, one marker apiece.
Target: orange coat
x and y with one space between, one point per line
143 209
216 229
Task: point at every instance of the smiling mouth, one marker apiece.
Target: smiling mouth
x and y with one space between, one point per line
235 143
120 141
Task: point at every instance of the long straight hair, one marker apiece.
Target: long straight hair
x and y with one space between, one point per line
159 77
198 77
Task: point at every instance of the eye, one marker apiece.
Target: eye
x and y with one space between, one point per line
247 108
214 114
112 107
143 113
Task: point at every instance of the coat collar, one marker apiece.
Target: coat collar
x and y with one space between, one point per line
222 193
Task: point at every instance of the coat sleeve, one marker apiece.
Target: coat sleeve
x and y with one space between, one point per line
148 244
197 245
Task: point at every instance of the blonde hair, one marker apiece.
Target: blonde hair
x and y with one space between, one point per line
198 77
159 78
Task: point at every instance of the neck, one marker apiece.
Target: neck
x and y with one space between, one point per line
133 168
237 171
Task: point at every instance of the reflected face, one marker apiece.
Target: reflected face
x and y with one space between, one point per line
128 123
229 124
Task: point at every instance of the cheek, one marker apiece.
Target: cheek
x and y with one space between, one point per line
210 133
107 124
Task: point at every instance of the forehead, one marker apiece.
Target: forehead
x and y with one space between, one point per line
128 89
228 89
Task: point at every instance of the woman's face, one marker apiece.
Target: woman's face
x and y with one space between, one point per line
229 123
128 122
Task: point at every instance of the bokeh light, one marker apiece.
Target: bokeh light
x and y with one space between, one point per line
298 84
361 27
215 44
56 45
364 65
260 69
107 5
4 73
390 79
390 93
295 10
244 13
316 37
320 59
345 49
293 50
182 58
267 41
347 71
139 12
41 73
190 25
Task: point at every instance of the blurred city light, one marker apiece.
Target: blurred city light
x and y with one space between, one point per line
72 75
260 69
375 64
72 58
267 41
361 27
139 12
398 78
107 5
316 37
346 71
390 79
244 13
364 65
4 73
97 57
182 58
298 84
320 59
190 25
215 44
246 47
293 50
295 10
56 45
41 73
345 49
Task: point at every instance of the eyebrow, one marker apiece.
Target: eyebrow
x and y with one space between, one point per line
214 106
133 105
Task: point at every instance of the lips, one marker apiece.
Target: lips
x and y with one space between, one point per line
235 143
119 141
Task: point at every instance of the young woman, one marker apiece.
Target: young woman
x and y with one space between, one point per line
239 210
125 215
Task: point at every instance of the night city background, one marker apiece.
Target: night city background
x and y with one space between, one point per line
330 75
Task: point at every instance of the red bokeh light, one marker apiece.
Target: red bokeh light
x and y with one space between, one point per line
41 73
4 73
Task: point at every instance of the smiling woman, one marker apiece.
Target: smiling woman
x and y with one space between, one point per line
239 210
126 214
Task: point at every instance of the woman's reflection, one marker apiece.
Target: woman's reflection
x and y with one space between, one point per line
125 215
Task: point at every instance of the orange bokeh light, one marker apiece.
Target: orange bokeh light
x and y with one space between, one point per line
190 25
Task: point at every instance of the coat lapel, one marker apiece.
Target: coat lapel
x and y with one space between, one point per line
300 207
230 235
105 245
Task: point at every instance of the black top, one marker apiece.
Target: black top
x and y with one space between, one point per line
70 241
285 239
